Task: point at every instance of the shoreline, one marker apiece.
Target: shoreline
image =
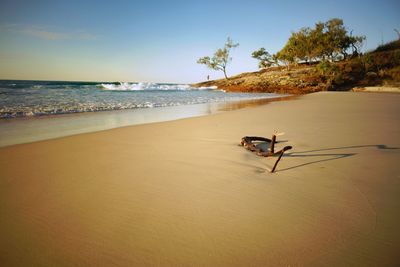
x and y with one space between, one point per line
183 193
31 129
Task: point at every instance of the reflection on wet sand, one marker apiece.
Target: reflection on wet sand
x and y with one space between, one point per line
24 130
229 106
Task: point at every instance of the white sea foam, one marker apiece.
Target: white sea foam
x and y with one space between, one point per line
122 86
207 88
125 86
36 98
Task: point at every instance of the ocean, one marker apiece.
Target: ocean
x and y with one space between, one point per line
40 98
40 110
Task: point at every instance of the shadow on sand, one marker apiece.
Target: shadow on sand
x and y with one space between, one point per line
331 156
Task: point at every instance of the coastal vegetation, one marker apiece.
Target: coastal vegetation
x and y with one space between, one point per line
327 41
221 58
326 57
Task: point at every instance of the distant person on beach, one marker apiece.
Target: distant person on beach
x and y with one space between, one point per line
208 77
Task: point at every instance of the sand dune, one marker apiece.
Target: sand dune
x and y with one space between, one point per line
183 193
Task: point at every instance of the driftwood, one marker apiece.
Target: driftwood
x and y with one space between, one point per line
247 142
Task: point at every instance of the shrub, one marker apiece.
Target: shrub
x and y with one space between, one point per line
326 68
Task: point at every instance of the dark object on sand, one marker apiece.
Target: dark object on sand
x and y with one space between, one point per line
248 143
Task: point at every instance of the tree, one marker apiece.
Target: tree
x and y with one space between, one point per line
318 41
286 57
326 41
303 44
265 58
336 38
356 43
337 41
298 47
220 59
398 33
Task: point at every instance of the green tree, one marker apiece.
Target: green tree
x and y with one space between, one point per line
337 40
265 59
220 59
299 47
317 41
290 53
304 44
356 42
286 56
326 41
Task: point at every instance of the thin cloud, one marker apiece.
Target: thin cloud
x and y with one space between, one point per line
86 36
45 34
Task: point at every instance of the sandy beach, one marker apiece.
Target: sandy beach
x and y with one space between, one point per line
183 193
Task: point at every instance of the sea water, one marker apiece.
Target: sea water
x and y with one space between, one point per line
39 110
39 98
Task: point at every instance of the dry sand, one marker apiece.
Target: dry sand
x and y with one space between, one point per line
183 193
378 89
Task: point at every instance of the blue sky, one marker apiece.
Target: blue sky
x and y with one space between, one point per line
160 41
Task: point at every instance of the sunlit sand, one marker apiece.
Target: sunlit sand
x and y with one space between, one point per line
184 193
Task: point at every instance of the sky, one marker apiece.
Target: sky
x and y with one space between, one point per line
160 41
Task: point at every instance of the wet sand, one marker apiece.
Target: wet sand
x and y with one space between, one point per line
30 129
183 193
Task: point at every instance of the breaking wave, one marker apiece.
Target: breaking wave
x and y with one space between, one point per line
126 86
39 98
